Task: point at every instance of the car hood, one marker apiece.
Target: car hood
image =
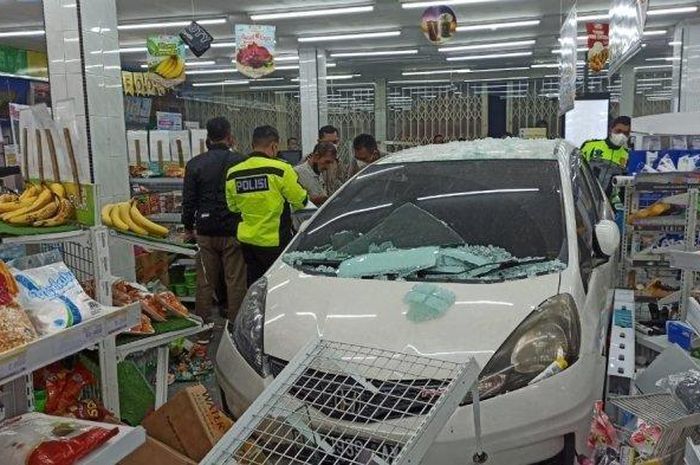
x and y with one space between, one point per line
301 307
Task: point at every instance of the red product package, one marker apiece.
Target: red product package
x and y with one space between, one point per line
63 388
69 451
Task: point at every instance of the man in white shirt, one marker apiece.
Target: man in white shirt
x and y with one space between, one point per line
323 157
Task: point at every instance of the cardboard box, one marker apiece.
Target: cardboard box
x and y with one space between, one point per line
189 423
154 452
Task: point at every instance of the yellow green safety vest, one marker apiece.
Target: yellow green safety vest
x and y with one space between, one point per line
262 189
602 150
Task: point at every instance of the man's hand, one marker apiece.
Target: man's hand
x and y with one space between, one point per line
190 237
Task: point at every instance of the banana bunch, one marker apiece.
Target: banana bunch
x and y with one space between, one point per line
171 68
39 205
126 217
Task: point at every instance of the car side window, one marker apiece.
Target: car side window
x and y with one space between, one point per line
595 188
586 219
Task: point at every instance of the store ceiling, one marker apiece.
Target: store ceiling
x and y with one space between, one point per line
388 15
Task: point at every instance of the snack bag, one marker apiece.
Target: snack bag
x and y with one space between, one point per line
15 327
54 299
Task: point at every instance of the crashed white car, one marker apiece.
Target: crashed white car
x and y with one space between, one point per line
518 232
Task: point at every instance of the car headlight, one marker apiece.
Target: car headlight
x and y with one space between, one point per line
551 334
248 327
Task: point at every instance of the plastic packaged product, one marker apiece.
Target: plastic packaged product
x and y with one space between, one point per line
54 299
666 165
38 439
685 387
603 432
15 327
645 438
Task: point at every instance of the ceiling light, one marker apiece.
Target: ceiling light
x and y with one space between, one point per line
286 67
498 79
418 81
267 79
200 63
223 44
407 5
132 49
664 59
502 45
290 87
582 38
310 13
496 26
436 71
496 70
287 58
28 33
544 65
374 54
357 35
221 83
592 17
167 24
211 71
672 11
557 51
675 42
336 77
652 67
490 57
655 33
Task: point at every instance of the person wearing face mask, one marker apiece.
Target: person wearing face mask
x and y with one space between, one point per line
264 190
366 151
608 157
209 222
323 158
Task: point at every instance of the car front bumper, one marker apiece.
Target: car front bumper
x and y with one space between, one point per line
521 427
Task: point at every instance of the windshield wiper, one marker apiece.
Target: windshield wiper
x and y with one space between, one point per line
508 264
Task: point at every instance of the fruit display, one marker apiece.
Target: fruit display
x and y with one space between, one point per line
170 68
40 205
126 217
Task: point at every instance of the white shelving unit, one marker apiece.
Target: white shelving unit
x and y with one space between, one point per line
154 245
692 453
117 448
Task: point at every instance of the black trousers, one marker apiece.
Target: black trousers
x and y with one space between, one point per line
258 260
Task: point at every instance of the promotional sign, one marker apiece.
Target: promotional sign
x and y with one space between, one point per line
439 24
141 85
598 43
166 60
627 21
255 47
196 38
567 62
166 121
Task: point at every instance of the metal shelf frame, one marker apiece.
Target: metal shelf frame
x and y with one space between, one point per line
154 245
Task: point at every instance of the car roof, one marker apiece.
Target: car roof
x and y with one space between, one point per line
486 149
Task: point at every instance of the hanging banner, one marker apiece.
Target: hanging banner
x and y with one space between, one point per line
439 24
627 21
141 85
598 43
567 62
166 60
255 47
197 38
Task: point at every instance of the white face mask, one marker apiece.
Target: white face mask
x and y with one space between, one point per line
361 164
619 139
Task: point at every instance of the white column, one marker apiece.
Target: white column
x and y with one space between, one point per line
687 66
627 82
380 104
313 95
84 65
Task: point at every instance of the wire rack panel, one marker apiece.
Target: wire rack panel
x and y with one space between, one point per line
346 404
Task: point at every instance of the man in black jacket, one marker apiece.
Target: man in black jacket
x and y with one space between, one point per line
207 219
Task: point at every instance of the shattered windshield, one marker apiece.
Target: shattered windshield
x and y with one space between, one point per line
464 220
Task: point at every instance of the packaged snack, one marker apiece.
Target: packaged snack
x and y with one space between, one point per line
15 327
171 303
38 439
603 432
54 299
645 438
63 387
685 387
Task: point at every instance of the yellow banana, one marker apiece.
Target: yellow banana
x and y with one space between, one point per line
165 68
152 228
30 191
10 206
44 198
65 211
117 222
6 198
42 214
58 189
126 217
27 201
105 214
179 67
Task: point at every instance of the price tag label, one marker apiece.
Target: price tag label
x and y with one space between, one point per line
13 365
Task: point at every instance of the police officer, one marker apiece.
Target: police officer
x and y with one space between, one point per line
263 190
608 157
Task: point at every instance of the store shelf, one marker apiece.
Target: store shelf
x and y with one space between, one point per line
692 453
159 340
684 260
117 448
150 244
45 238
185 262
48 349
655 343
174 182
661 222
170 218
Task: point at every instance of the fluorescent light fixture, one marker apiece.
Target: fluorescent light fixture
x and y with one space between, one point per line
490 57
200 63
27 33
407 5
168 24
223 44
336 77
286 67
23 76
268 79
672 10
286 58
557 51
664 59
289 87
497 70
210 71
311 13
132 49
656 32
419 81
500 45
544 65
374 54
436 71
592 17
353 36
496 26
673 43
636 68
582 38
221 83
498 79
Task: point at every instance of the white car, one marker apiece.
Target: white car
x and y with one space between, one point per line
524 242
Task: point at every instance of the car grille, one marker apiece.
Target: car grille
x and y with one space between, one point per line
344 398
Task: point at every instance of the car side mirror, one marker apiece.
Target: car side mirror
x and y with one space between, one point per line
607 234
